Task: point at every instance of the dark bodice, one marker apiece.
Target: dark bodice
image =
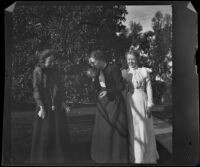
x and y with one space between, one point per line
113 81
48 87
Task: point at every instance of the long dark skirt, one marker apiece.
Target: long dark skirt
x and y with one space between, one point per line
110 136
50 142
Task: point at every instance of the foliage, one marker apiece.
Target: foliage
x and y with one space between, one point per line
161 54
73 31
154 48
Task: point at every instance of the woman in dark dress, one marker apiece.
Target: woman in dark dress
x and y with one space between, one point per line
110 136
50 142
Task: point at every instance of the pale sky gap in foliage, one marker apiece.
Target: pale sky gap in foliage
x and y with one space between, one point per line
144 14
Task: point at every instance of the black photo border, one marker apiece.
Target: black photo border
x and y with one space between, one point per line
185 138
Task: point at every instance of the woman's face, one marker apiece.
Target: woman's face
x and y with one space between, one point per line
49 61
131 60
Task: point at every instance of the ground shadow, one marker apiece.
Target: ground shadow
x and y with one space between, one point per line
165 115
165 155
81 154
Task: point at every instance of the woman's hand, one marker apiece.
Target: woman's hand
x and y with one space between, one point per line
66 107
102 94
149 110
148 113
150 105
42 113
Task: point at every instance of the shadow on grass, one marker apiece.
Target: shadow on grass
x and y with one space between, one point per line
81 154
165 115
165 155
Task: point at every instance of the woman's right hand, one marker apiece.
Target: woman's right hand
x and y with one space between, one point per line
42 113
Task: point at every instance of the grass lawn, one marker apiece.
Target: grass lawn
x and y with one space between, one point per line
81 121
22 126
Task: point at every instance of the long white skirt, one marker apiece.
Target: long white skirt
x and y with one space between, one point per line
142 147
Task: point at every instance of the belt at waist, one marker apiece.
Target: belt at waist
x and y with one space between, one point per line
139 90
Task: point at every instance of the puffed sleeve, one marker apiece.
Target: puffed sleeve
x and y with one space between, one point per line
149 88
37 92
117 77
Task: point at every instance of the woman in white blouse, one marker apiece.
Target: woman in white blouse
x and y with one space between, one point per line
142 146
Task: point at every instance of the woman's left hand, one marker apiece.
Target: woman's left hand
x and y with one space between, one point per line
66 107
149 110
102 94
148 113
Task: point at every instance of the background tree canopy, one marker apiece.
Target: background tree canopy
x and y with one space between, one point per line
74 31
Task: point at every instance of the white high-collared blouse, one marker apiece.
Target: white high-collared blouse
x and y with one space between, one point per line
139 79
